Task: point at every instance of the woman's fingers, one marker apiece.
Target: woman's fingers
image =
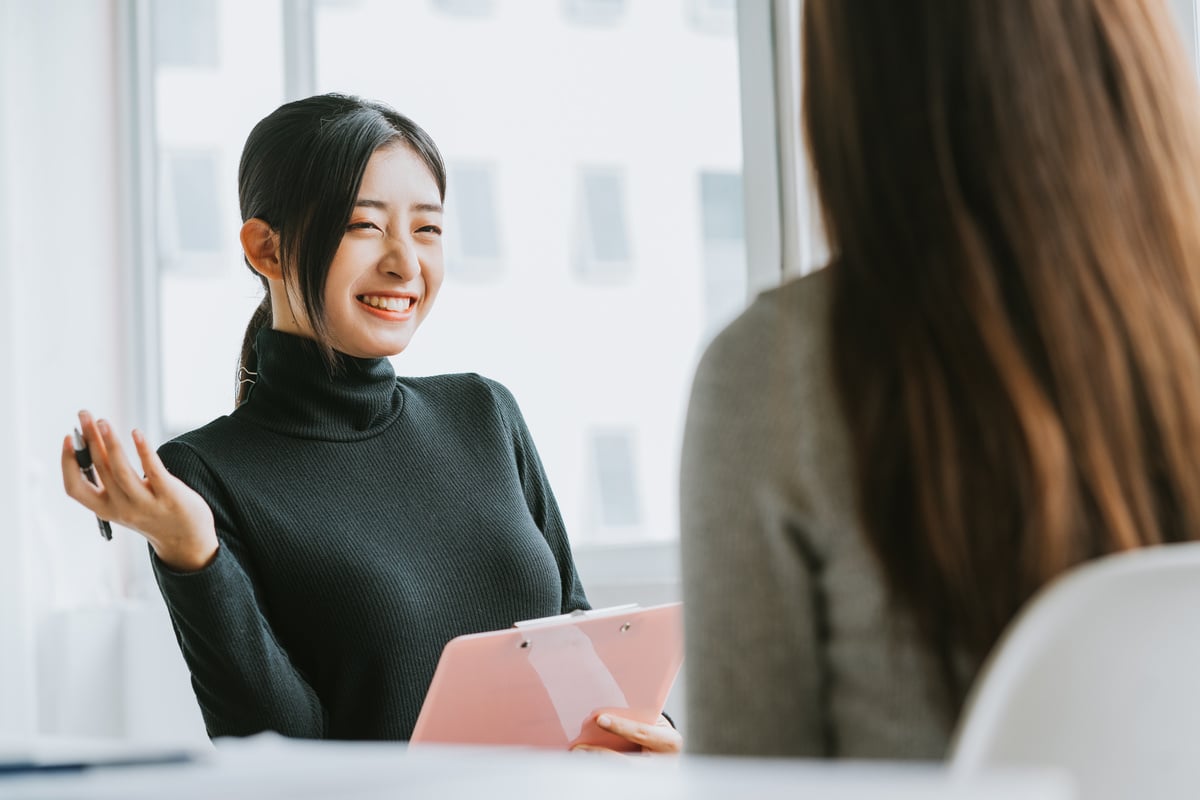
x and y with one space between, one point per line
91 435
121 493
152 467
659 737
121 474
77 486
175 519
97 452
593 748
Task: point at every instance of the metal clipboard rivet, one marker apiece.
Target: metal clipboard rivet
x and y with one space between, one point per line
526 644
626 627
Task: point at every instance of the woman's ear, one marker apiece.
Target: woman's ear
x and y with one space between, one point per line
260 243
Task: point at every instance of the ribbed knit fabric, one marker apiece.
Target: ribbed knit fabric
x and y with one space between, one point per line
364 520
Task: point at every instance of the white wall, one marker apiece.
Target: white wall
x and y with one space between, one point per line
16 642
60 339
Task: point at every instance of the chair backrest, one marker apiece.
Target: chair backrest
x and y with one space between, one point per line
1100 674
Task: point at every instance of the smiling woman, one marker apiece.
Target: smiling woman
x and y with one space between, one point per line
388 266
351 235
313 547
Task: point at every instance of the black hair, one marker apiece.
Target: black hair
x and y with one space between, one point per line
300 172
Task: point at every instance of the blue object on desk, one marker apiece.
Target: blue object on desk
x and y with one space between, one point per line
70 755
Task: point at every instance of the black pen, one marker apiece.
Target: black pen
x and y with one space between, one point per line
83 457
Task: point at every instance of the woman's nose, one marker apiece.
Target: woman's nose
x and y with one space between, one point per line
401 259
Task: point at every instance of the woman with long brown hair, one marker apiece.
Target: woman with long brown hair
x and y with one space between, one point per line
996 378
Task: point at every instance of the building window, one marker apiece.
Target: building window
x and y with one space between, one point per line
724 250
472 231
718 17
191 237
602 240
721 207
594 12
615 479
185 33
464 8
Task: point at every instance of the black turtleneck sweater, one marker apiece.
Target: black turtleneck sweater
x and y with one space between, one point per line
365 520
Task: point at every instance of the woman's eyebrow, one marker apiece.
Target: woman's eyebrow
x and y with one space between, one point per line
366 202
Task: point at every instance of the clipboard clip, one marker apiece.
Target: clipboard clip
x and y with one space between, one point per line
577 614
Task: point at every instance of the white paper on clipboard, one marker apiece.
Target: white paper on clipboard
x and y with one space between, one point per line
542 682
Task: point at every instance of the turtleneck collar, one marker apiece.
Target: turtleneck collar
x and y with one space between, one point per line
295 394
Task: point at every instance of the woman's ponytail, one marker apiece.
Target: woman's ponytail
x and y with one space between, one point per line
248 362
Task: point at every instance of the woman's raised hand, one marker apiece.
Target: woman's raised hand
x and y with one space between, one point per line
175 520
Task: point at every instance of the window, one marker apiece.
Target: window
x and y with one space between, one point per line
717 17
185 33
602 239
594 12
189 225
724 247
614 479
721 207
473 238
464 8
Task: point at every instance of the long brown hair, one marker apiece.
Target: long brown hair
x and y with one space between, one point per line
1011 192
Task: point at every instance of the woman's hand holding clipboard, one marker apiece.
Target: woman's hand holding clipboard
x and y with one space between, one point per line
543 683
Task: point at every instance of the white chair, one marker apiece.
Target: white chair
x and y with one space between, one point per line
1100 674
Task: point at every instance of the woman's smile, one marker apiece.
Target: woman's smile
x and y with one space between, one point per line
396 308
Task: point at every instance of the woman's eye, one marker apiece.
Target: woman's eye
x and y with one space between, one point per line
434 229
362 226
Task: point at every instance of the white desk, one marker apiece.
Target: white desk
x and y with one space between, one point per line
271 767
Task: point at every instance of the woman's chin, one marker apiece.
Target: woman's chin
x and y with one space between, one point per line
375 348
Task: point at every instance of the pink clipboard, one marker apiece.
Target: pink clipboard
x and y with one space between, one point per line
542 682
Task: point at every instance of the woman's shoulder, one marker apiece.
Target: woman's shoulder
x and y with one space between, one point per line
194 444
469 391
455 383
785 325
766 384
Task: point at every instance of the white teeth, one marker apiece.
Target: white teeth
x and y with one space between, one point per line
387 303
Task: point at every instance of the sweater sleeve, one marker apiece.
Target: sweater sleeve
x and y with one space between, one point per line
540 498
750 582
244 680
